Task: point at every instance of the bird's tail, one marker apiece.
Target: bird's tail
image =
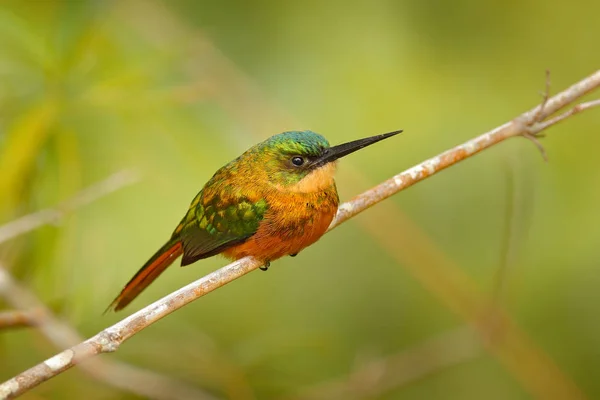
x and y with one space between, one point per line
147 274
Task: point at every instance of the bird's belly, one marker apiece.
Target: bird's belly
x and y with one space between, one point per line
283 232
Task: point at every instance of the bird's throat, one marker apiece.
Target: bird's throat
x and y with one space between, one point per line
317 180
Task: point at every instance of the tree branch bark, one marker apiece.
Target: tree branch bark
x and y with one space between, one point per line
528 124
142 382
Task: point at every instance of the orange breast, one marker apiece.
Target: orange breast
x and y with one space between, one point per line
294 221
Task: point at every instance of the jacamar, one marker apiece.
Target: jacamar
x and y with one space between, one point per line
274 200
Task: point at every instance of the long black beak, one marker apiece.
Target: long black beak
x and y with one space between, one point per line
341 150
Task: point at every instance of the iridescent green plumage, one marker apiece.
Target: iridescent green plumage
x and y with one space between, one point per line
211 224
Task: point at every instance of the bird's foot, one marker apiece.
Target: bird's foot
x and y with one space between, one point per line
293 255
266 266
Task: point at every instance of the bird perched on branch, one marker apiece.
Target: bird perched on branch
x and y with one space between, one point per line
274 200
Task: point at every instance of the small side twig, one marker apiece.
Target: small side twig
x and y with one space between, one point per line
539 116
555 120
53 215
545 96
532 133
534 139
111 338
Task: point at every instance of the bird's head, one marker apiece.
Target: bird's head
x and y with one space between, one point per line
303 161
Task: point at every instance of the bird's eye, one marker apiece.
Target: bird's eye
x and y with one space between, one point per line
297 161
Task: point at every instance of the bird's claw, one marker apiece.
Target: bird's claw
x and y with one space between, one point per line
266 266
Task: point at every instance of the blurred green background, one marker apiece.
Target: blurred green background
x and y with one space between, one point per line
174 90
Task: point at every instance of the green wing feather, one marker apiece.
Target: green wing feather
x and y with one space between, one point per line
211 226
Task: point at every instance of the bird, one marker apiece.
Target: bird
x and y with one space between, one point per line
274 200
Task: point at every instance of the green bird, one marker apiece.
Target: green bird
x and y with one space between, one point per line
274 200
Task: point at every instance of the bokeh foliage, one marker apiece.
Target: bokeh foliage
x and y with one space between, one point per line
176 89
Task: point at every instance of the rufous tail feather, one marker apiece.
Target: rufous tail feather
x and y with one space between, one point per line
147 274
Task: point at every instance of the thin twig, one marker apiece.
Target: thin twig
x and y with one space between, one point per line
539 116
53 215
545 96
526 122
575 110
534 129
120 375
111 338
18 319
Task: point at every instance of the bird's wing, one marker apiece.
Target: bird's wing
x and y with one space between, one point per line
211 227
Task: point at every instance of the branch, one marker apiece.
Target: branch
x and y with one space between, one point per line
528 124
52 215
18 319
120 375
